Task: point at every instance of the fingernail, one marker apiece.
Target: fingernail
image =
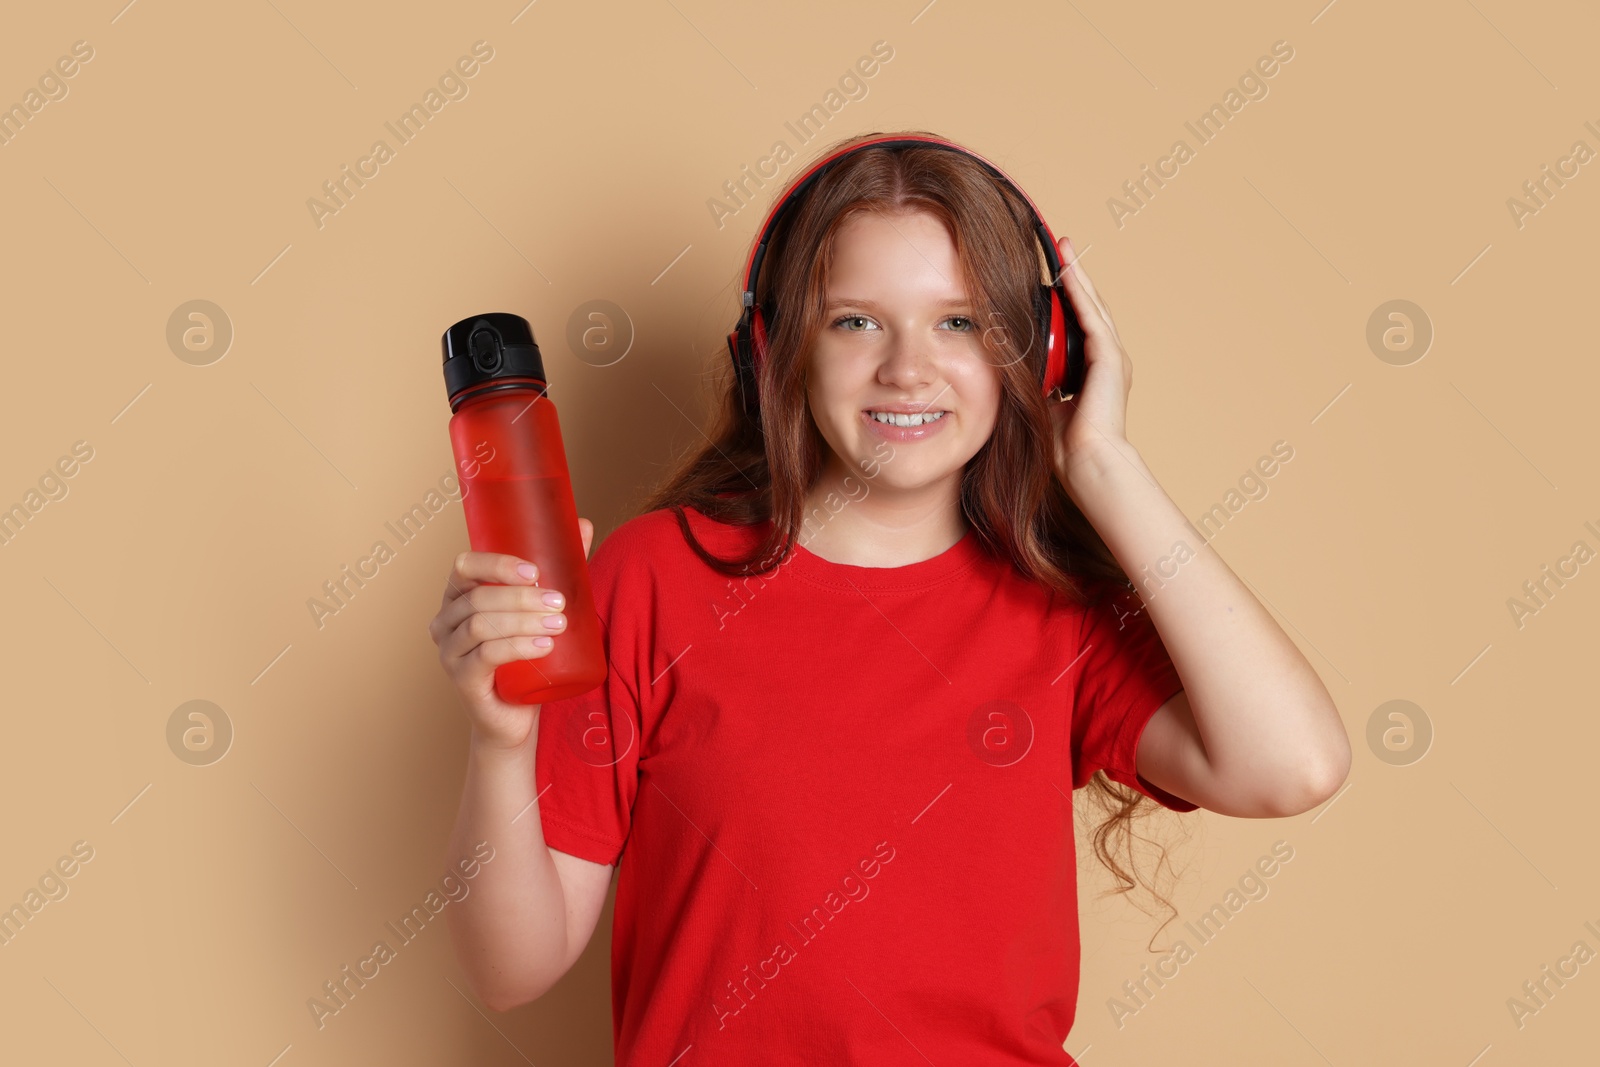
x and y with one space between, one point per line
527 570
555 600
543 642
555 622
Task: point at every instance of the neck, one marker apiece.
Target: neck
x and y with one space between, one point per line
854 520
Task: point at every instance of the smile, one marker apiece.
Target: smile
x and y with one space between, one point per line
892 418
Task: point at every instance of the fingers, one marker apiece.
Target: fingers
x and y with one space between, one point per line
1069 258
509 631
1082 289
532 599
481 660
496 585
472 569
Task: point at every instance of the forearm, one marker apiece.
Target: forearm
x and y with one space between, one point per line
1267 724
510 933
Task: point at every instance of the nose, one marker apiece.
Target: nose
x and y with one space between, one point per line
906 365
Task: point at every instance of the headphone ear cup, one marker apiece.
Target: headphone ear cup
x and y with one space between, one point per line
1072 341
1064 366
1049 325
740 348
748 345
758 331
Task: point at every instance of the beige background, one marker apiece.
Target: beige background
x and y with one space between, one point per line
219 498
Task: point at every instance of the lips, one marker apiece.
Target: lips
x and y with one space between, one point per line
915 429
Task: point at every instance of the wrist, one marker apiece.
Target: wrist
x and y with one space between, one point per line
485 749
1096 466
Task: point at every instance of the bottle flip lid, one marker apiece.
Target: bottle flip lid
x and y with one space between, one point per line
495 350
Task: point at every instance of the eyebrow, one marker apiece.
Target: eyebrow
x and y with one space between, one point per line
948 302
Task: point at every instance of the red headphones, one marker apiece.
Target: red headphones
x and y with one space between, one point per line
1064 366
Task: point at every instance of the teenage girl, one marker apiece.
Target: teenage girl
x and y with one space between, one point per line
863 646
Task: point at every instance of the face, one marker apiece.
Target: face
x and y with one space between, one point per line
899 339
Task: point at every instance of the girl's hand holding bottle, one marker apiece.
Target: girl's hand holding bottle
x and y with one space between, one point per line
494 612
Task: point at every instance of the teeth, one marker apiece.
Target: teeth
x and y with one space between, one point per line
894 419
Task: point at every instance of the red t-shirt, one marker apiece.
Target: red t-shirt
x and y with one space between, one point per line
841 798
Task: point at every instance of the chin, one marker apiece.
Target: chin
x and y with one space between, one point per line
902 475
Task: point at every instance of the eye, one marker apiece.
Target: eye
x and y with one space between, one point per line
966 323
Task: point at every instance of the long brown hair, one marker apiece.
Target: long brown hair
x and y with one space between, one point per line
759 465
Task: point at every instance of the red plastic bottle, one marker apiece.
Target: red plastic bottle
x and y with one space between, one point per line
517 494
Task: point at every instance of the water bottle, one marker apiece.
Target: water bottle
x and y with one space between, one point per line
517 495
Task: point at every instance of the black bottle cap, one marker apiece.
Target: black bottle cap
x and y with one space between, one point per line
495 350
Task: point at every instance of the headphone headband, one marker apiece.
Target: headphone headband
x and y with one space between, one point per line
758 253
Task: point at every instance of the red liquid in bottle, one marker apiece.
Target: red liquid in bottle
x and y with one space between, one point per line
518 499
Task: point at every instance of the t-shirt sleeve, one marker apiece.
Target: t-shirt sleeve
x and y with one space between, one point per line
1121 678
586 763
